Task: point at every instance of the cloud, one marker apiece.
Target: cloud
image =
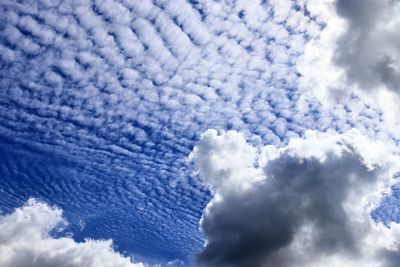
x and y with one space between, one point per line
310 206
368 50
357 50
356 57
26 241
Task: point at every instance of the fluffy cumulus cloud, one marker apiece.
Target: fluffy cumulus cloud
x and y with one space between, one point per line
356 56
368 49
357 49
305 204
25 241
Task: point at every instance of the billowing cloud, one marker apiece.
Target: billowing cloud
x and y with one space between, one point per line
25 241
357 52
368 50
306 204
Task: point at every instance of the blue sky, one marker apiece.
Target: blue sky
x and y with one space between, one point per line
102 102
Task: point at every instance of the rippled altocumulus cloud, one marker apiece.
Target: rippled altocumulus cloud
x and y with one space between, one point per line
101 101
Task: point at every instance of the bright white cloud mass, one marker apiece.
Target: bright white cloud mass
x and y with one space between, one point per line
25 241
305 204
357 52
229 133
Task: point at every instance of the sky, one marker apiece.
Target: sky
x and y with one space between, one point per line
217 133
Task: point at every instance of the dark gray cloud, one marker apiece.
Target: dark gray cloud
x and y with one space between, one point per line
369 50
392 258
304 213
252 229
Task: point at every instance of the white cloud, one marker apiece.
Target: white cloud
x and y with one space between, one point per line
368 50
25 241
355 56
226 161
310 207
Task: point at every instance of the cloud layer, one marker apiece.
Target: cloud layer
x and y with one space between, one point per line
25 241
101 101
306 204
